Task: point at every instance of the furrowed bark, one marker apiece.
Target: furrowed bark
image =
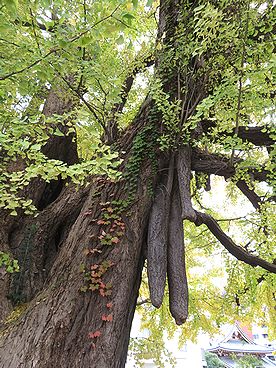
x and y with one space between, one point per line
158 238
54 330
184 178
177 279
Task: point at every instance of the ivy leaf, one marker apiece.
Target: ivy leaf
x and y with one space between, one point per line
107 318
93 335
115 240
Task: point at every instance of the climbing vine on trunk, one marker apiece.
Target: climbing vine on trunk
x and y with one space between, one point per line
117 118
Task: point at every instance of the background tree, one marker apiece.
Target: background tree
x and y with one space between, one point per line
213 361
112 151
249 361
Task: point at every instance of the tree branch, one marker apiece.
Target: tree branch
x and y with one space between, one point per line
259 135
210 163
236 250
249 193
111 126
28 66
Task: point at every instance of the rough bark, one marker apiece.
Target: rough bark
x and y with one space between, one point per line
177 279
157 241
62 326
54 330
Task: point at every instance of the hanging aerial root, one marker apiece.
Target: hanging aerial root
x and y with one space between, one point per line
158 238
177 279
184 177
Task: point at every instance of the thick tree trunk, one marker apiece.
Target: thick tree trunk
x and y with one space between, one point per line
61 323
81 258
63 326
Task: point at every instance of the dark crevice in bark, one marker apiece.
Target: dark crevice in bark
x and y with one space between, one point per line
50 194
36 243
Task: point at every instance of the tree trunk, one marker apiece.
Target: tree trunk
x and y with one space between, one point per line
60 324
62 253
81 258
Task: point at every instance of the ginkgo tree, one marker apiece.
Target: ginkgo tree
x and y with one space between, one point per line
117 118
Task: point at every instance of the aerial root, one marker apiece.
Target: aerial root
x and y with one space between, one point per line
166 242
183 165
177 279
158 237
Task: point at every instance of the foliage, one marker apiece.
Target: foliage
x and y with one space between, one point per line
11 265
41 42
85 51
248 362
213 361
142 348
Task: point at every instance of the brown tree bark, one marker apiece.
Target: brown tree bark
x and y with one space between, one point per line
79 282
54 329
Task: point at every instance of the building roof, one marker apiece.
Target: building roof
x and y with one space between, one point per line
242 347
237 341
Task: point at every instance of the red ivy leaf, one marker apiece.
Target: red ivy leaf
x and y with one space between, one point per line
107 318
102 285
88 213
102 292
115 240
100 222
95 334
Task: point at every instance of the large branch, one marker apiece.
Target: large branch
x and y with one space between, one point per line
211 163
259 136
237 251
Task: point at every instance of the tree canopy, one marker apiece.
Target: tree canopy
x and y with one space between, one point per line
207 74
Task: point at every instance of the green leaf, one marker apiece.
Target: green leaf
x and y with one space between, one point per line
58 133
120 40
85 40
128 18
